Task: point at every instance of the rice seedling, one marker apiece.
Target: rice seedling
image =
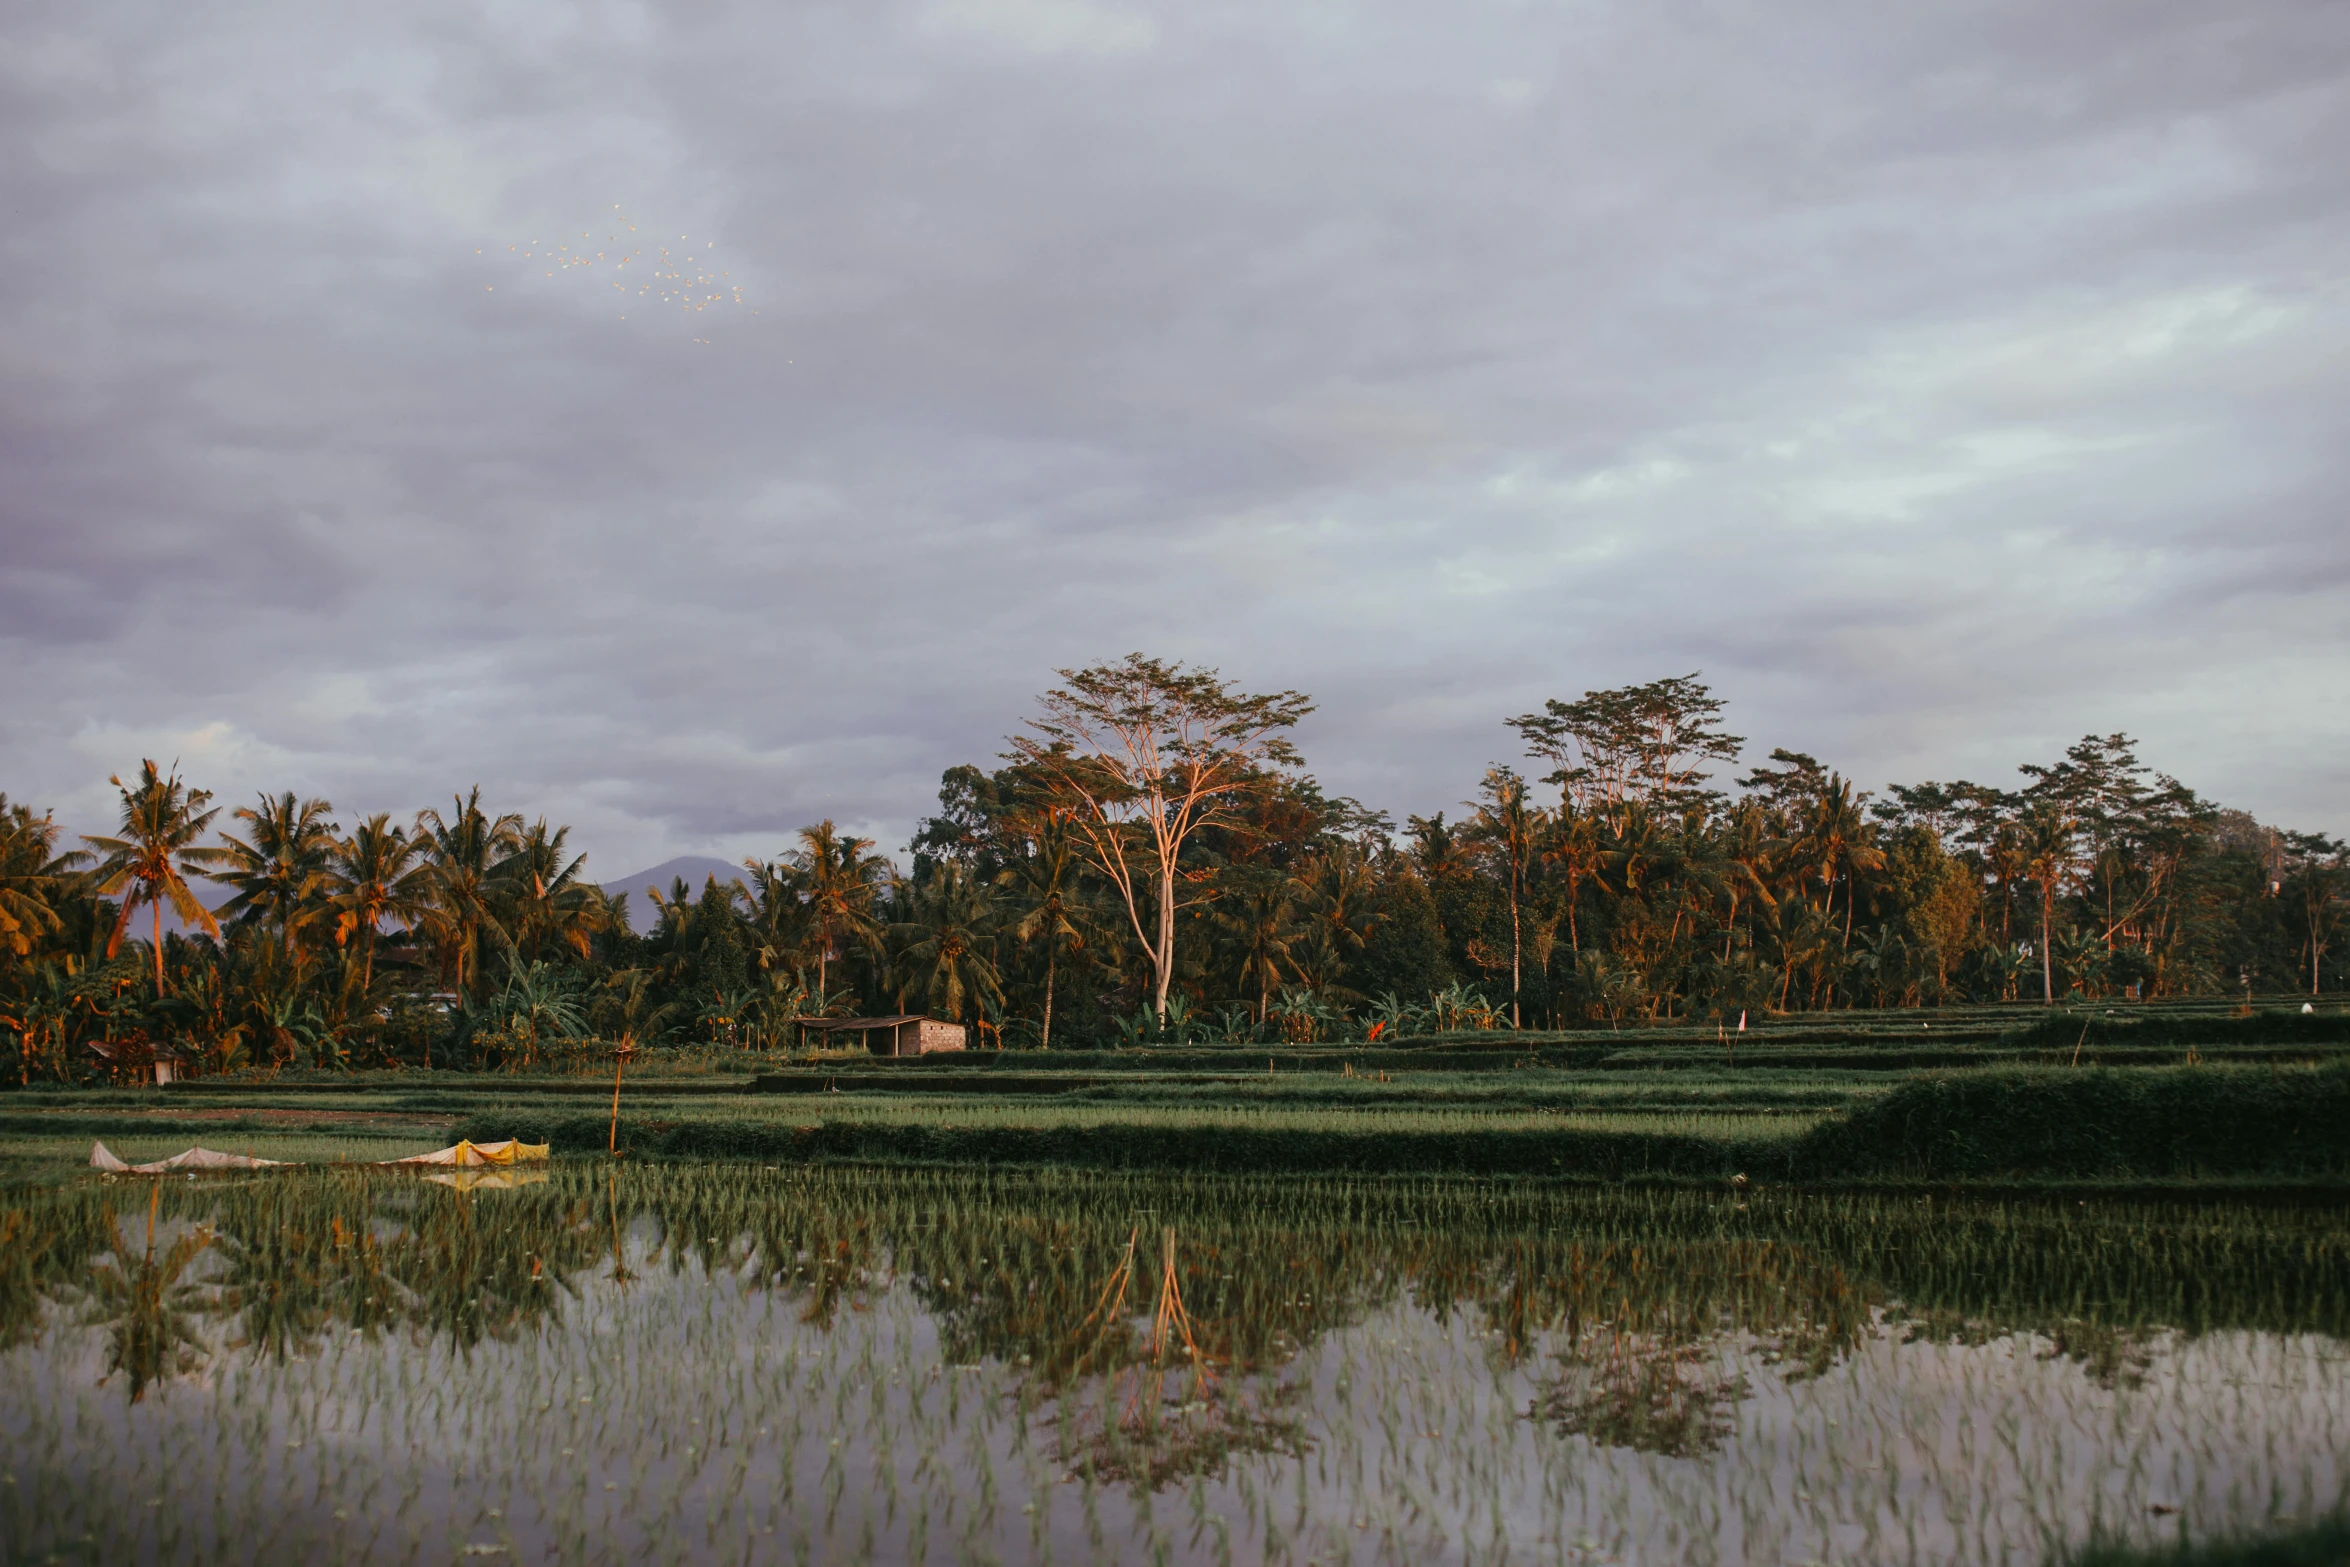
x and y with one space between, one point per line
910 1110
704 1362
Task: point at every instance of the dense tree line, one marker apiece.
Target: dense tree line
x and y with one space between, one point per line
1151 862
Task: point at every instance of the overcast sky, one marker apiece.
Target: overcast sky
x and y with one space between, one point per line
1945 381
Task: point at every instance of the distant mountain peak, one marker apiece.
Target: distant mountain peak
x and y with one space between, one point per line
696 869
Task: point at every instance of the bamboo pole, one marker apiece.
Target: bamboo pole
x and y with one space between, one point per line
619 1064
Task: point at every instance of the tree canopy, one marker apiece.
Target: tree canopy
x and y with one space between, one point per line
1151 862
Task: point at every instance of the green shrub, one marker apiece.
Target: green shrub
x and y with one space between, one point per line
2165 1123
2154 1122
2073 1030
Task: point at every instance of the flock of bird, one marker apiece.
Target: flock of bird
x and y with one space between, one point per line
669 277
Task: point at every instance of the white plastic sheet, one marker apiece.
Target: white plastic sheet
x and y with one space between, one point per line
104 1158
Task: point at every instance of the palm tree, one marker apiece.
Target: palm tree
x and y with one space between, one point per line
464 855
2047 841
1572 847
690 935
548 897
279 874
779 1000
1509 829
1637 847
150 860
32 876
841 880
632 1017
1884 957
1319 961
45 1011
1339 896
2321 871
728 1010
1341 890
149 1305
539 999
1704 876
629 1014
947 937
1836 841
1797 936
1749 853
290 1022
1437 847
1259 919
1043 882
2010 860
778 919
372 876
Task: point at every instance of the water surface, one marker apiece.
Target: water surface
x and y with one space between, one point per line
703 1363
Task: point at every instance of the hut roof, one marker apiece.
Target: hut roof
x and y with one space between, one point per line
134 1051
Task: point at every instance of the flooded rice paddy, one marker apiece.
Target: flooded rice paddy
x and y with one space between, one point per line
726 1363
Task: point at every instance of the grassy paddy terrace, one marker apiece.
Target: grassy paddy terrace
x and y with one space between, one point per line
1334 1307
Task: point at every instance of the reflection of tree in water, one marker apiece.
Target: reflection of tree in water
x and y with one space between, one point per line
814 1252
287 1276
1055 1295
2113 1356
1639 1333
146 1304
288 1258
1143 1400
1642 1335
1136 1430
1632 1310
621 1276
1655 1397
373 1253
490 1265
45 1249
1159 1362
1158 1410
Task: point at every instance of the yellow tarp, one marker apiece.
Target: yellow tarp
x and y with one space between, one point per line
474 1156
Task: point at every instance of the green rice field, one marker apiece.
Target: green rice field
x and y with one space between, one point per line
2047 1291
722 1361
919 1110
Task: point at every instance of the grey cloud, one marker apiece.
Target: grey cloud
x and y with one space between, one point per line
1946 381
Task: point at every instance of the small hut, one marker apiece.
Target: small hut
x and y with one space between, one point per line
908 1035
137 1059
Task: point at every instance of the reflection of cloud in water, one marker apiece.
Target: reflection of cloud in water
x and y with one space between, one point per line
900 1367
704 1408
